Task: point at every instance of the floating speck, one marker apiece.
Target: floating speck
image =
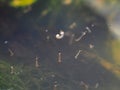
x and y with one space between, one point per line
86 86
46 30
96 85
5 42
92 25
67 2
41 78
11 52
48 37
91 46
44 12
53 75
73 25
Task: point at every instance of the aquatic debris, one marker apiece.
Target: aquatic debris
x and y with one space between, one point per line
76 56
73 25
44 12
36 62
59 57
11 52
79 38
48 37
46 30
52 75
67 2
91 46
96 85
41 78
86 86
60 35
27 9
92 25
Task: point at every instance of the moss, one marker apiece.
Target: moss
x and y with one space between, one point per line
8 80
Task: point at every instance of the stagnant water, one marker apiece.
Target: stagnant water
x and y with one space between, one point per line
61 50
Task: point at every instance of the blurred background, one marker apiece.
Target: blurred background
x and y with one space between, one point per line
59 44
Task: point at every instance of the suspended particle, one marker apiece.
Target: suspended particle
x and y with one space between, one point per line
92 25
52 75
46 30
48 37
73 25
5 42
27 9
41 78
96 85
11 52
86 87
45 12
91 46
67 2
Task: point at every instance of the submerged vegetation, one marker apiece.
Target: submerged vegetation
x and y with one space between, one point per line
25 77
31 78
9 81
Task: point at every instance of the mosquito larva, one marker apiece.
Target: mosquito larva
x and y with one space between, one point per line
78 53
88 29
59 57
36 62
11 52
79 38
